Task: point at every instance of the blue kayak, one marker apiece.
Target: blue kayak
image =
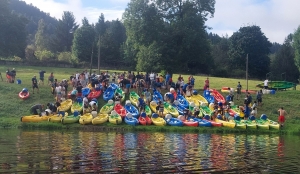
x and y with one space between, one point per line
108 94
157 96
114 86
174 122
202 122
182 100
180 108
131 121
208 97
85 91
131 109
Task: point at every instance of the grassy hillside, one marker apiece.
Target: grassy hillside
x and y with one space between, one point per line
12 108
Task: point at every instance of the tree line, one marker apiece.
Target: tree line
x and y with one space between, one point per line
153 35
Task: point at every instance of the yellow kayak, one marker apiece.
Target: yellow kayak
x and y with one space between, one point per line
56 118
115 118
171 110
34 118
192 99
101 118
153 106
158 121
86 119
226 123
107 108
134 97
273 124
76 107
200 99
239 124
262 124
65 105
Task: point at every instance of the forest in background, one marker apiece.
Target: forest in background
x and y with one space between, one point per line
153 35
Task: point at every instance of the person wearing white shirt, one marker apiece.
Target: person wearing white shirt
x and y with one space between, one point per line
87 75
58 93
266 82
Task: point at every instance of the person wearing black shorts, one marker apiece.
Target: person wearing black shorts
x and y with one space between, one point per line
34 84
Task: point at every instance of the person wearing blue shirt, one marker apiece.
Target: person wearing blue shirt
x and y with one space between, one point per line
167 80
142 103
42 74
170 97
184 87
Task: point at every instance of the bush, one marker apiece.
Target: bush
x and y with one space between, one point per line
45 55
64 56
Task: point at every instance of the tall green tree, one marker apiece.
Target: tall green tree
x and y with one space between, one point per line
252 41
64 32
284 62
41 38
83 42
296 45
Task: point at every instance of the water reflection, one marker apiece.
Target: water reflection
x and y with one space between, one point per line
112 152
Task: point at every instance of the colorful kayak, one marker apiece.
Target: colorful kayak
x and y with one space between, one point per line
131 109
182 101
101 118
205 110
57 117
24 95
34 118
115 118
148 110
273 124
86 119
108 94
85 92
262 124
94 94
250 124
121 93
170 109
203 122
239 124
173 121
144 119
120 110
180 108
153 106
218 97
70 119
134 97
226 123
158 121
189 122
213 123
202 101
107 108
130 120
208 96
192 99
157 96
76 106
65 105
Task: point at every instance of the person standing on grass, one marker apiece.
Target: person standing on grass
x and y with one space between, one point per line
206 83
259 97
42 74
266 83
34 84
238 90
51 78
281 118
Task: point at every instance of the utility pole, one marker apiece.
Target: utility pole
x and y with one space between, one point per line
99 55
92 58
247 71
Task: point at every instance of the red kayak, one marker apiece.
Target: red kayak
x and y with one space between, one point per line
145 120
190 123
78 94
120 110
215 124
94 94
250 91
218 97
232 112
23 95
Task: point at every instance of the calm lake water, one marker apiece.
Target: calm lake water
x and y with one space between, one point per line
113 152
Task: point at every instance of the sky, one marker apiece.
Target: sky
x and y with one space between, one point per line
277 18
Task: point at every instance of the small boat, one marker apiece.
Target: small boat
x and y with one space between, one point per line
71 118
189 122
158 121
121 93
226 123
115 118
251 124
101 118
182 101
201 99
153 106
34 118
86 118
113 86
148 110
180 108
273 124
120 110
203 122
77 105
239 124
131 120
171 110
94 94
24 94
205 110
131 109
218 97
65 105
208 96
173 121
157 96
192 99
108 94
107 108
144 119
134 97
262 124
85 91
57 117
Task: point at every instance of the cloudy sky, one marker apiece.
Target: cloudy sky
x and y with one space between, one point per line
277 18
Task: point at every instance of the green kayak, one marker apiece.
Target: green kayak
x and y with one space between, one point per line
70 119
134 97
148 110
250 124
205 110
262 124
171 109
121 93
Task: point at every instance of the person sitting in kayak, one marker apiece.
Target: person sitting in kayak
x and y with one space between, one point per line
141 103
196 112
186 113
161 109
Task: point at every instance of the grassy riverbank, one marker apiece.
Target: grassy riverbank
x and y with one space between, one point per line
12 108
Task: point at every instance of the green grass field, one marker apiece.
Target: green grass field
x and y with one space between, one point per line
12 107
